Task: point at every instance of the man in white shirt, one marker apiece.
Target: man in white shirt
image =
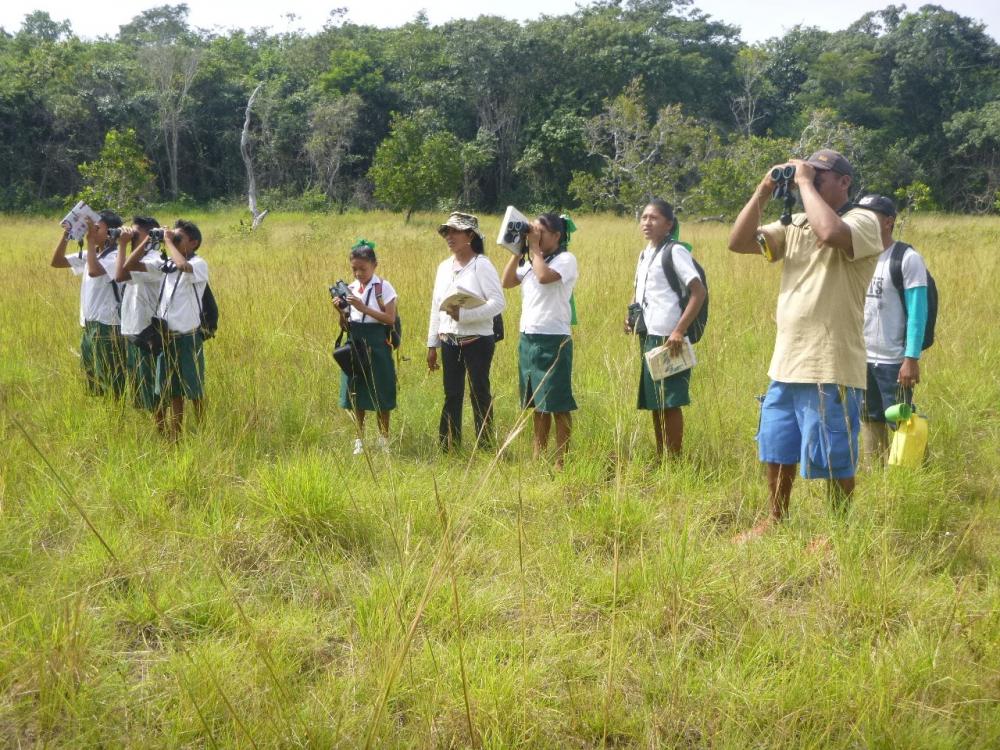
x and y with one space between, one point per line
180 367
102 354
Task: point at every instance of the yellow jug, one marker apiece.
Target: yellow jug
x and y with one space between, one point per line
909 443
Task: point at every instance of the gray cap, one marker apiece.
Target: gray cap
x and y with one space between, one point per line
878 203
827 158
462 222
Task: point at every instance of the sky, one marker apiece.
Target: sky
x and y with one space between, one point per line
758 20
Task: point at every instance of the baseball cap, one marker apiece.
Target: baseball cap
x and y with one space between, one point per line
827 158
878 203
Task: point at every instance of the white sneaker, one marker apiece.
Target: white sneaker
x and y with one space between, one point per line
359 447
383 443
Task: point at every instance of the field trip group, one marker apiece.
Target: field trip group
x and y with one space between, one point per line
853 316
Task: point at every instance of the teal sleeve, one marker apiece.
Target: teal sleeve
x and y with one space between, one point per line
916 320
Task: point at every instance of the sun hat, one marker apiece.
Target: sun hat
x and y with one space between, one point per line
462 222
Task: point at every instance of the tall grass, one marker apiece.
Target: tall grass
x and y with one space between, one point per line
256 586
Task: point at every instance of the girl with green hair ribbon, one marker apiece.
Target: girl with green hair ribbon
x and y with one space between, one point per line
367 316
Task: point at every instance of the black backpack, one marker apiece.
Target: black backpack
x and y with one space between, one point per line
697 328
393 333
896 274
208 309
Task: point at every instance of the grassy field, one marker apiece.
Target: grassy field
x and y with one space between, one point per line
257 586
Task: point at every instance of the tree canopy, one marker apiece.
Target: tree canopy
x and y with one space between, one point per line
594 109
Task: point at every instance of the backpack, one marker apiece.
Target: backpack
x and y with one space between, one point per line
896 274
394 333
208 311
697 328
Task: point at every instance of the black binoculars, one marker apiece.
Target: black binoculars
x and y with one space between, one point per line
784 180
783 174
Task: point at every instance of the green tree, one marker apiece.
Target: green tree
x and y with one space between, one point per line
120 176
642 159
974 137
418 165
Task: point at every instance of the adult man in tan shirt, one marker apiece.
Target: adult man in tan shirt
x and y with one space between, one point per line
810 415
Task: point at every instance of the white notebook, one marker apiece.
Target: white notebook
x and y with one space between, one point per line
463 298
662 365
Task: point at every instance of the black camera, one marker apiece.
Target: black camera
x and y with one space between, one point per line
156 234
339 292
634 320
517 233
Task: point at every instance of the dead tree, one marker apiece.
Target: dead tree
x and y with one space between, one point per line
258 216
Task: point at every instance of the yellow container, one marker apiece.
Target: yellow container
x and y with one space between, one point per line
909 443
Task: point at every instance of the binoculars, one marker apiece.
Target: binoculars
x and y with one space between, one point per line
516 233
784 180
783 174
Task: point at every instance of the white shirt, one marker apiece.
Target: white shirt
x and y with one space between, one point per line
180 303
477 276
545 307
885 315
362 291
97 293
661 307
140 297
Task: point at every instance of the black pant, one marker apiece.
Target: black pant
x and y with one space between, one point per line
458 362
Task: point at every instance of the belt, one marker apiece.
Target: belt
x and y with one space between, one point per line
455 340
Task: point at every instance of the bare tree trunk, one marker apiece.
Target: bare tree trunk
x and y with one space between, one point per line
258 216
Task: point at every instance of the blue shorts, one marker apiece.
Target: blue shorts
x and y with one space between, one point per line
807 424
884 391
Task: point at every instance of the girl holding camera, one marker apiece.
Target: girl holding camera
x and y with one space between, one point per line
546 275
658 319
368 314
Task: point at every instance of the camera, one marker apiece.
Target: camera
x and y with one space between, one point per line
156 234
516 233
339 292
634 320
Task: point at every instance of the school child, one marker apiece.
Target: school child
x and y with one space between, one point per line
102 354
368 313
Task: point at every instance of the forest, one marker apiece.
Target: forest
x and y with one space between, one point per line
594 110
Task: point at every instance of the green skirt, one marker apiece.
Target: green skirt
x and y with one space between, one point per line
180 367
102 356
373 389
140 376
659 395
545 369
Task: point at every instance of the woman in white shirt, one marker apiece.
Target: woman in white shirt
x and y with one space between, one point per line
546 273
463 330
663 321
368 315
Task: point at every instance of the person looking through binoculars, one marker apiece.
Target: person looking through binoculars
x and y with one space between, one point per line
367 309
181 280
138 308
102 354
810 415
546 273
